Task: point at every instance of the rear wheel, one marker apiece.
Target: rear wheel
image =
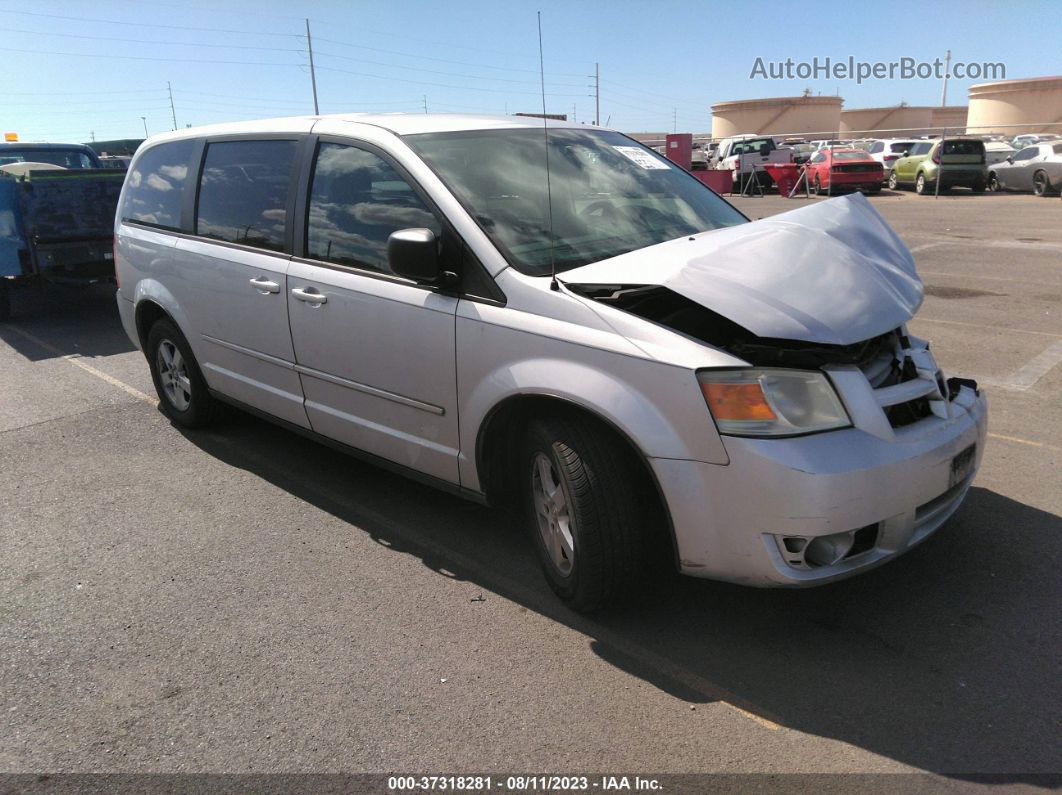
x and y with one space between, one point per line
1041 183
894 183
920 184
584 511
817 189
183 394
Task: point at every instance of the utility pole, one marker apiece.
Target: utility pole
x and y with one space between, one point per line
92 135
674 120
425 103
144 119
172 111
313 74
597 94
947 69
573 113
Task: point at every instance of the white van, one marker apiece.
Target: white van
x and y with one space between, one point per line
616 348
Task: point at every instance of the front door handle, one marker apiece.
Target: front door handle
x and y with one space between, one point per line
264 286
309 295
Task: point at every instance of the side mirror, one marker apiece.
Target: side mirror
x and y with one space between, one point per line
906 153
414 254
1010 159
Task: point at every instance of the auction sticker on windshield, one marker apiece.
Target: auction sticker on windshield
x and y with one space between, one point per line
641 157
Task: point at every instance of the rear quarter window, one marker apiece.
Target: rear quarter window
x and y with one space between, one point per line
155 185
964 147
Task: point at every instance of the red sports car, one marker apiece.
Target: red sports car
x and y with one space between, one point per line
844 169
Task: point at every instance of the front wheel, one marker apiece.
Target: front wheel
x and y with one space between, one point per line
183 394
584 511
993 182
1041 183
893 182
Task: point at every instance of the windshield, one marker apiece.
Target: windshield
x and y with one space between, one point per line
610 195
67 158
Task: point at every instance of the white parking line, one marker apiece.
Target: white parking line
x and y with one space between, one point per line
1034 369
920 319
77 360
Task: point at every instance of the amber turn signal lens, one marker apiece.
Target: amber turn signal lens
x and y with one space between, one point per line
737 402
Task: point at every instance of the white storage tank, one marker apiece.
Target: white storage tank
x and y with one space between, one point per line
899 120
952 117
795 115
1034 102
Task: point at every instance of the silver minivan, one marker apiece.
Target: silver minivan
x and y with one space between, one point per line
555 317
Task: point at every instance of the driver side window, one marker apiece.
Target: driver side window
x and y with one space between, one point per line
357 199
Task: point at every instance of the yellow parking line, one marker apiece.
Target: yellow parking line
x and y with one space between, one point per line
1029 442
76 360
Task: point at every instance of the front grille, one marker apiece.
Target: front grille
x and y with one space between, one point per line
905 379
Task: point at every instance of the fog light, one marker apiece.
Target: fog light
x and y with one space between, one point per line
828 550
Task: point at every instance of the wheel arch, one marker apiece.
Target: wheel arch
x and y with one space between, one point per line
152 301
501 430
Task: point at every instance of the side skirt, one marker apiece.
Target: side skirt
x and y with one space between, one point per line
369 458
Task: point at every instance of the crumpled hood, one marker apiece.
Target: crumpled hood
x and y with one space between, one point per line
832 272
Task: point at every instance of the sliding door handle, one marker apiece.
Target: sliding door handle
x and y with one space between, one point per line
264 286
309 295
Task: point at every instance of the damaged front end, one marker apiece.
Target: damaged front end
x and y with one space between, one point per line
897 368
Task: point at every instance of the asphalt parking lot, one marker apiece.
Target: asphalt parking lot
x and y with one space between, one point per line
242 599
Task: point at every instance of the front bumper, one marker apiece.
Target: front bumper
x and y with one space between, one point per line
729 520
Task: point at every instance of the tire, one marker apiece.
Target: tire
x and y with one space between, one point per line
894 184
993 182
183 394
584 511
817 188
1041 183
921 184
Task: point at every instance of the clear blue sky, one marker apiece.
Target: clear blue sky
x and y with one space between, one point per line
75 68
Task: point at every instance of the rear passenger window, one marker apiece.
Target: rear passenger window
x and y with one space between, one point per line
243 192
356 201
154 186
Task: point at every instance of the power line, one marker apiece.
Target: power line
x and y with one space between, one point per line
153 41
438 85
441 60
437 72
147 58
148 24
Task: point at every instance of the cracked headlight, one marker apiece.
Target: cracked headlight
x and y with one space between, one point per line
764 401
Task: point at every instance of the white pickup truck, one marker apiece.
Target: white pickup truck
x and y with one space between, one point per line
744 154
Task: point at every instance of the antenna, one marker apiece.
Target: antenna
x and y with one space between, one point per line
545 130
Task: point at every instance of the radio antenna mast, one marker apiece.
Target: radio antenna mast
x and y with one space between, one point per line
545 130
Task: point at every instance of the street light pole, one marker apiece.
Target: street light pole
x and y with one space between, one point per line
144 119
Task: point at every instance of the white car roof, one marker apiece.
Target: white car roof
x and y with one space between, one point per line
398 123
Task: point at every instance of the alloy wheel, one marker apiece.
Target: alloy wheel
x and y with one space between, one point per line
173 375
553 513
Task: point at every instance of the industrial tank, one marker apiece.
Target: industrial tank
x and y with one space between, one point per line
797 115
1034 103
952 117
899 120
